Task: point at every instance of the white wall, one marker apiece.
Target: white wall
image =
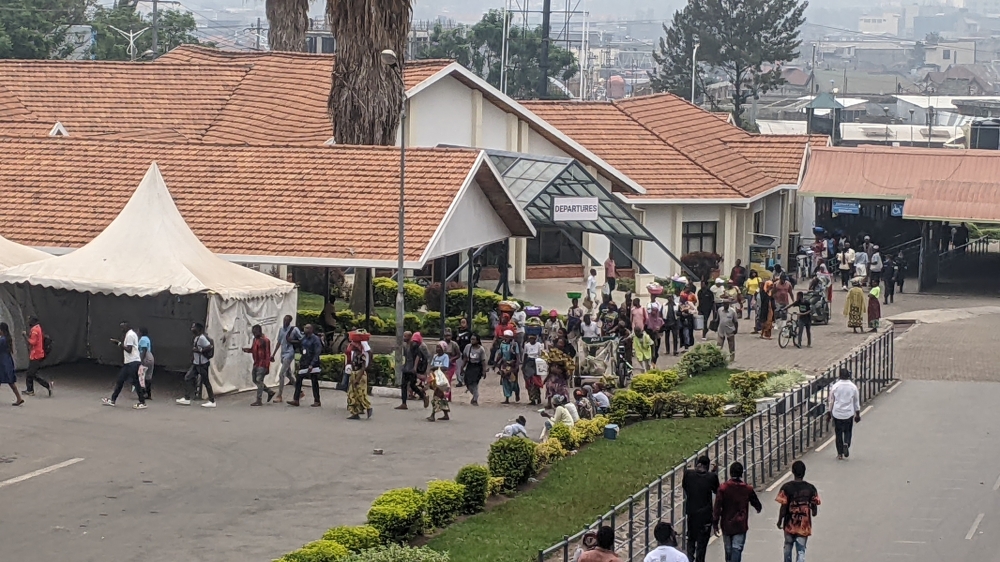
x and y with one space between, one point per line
494 132
471 222
660 222
701 213
772 215
537 144
442 114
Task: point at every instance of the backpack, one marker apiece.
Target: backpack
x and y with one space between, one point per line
46 344
420 364
296 342
208 352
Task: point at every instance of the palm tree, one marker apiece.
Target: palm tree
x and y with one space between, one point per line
366 98
287 23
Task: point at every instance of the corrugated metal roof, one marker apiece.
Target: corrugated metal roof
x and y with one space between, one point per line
954 201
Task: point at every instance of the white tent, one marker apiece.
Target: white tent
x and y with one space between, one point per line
12 253
149 268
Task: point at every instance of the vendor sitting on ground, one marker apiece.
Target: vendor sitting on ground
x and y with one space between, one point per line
560 416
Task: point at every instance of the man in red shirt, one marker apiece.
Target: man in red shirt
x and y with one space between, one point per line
732 511
260 350
36 353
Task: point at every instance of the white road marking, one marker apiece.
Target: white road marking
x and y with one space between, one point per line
996 486
893 387
40 472
866 410
824 445
975 525
779 481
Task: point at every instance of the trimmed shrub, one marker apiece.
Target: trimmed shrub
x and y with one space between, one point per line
708 405
318 551
747 386
303 317
396 553
700 359
431 326
629 402
654 381
589 430
385 293
667 404
398 514
445 499
625 284
382 371
548 451
331 367
432 296
481 326
476 479
483 301
495 486
356 538
513 459
411 323
564 434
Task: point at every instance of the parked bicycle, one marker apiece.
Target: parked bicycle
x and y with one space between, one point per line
790 331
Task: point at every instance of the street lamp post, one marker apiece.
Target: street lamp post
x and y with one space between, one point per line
886 111
694 66
911 127
390 59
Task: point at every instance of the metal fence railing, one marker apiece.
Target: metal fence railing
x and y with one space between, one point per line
765 443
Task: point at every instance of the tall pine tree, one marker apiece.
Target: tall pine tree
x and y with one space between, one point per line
747 40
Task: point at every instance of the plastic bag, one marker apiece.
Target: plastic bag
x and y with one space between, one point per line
440 379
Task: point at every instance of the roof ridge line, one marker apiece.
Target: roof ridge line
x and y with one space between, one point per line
229 98
679 151
20 103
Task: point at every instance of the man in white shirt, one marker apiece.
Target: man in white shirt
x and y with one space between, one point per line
516 429
667 549
590 329
845 264
844 407
129 345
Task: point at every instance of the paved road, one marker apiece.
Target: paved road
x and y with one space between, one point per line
924 467
234 484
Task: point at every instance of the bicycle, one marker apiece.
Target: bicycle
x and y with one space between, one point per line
790 331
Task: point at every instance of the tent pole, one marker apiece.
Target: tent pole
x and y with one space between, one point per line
368 299
444 293
472 259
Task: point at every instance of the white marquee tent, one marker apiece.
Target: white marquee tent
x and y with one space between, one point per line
147 267
12 253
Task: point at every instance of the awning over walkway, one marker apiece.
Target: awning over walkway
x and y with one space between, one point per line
936 184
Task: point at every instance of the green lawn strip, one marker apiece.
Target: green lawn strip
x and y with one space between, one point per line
576 490
310 301
715 381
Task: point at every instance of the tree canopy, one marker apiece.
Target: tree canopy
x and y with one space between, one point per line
36 29
480 46
747 40
174 28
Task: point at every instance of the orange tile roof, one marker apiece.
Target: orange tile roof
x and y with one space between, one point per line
202 94
782 156
672 148
333 203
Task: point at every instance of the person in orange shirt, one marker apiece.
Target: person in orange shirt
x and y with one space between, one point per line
36 353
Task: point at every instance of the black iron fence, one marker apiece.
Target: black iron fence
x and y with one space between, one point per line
765 443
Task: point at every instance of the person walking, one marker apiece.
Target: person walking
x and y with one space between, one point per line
8 375
129 344
700 484
415 361
706 307
765 311
260 350
605 549
312 347
202 352
855 307
667 551
357 359
671 326
148 362
781 294
752 288
861 262
799 504
889 280
728 326
642 348
874 309
804 322
36 354
845 264
876 265
900 275
439 400
611 272
844 408
454 353
529 369
462 339
503 275
508 356
732 512
473 361
289 341
738 275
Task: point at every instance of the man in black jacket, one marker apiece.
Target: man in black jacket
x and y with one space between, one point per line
312 348
700 484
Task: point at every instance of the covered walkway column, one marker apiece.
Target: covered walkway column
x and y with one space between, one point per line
927 276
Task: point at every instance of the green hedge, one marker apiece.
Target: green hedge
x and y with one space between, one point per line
629 402
747 386
476 479
708 405
381 372
445 499
564 434
399 514
432 296
303 317
396 553
549 451
355 539
385 293
318 551
625 284
655 381
700 359
513 460
667 404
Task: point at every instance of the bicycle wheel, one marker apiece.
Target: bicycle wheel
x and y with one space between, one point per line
785 336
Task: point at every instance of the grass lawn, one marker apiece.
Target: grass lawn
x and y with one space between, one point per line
715 381
312 301
576 490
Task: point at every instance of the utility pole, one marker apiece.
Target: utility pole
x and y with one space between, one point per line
156 25
258 34
930 124
812 72
543 64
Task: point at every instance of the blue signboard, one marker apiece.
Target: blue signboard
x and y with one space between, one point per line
846 207
896 210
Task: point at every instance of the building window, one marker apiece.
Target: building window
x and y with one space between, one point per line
551 247
328 45
758 222
946 54
699 236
